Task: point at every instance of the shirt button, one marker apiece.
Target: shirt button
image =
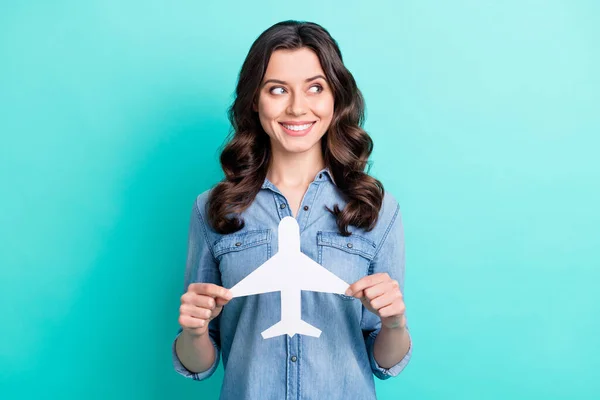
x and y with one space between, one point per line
349 245
282 205
238 244
294 358
305 208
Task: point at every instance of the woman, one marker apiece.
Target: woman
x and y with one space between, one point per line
298 150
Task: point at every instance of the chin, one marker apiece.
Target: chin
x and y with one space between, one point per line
300 146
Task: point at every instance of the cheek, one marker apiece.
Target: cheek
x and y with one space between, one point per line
269 110
266 114
324 108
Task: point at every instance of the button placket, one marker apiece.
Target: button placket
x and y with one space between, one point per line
282 207
306 206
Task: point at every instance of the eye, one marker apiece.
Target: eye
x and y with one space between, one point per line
276 87
318 87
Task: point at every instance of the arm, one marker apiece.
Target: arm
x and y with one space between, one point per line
196 354
389 348
193 356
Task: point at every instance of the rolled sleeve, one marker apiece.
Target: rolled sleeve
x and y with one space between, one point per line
389 258
182 370
385 373
201 266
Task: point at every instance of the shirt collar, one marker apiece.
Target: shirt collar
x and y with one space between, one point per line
323 175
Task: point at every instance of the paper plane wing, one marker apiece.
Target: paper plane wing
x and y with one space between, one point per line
264 279
314 277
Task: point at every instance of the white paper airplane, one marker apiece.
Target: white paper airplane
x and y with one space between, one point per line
289 271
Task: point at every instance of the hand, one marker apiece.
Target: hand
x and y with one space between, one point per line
201 303
381 295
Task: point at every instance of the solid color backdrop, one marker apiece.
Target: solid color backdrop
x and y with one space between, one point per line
486 124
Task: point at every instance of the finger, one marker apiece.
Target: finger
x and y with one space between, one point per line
393 309
210 289
190 322
221 302
377 290
385 300
196 312
356 288
198 300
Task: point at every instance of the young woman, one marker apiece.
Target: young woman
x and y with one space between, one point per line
297 150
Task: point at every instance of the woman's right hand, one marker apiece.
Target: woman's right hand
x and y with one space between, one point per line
201 303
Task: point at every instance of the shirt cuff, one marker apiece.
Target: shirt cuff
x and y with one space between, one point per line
385 373
182 370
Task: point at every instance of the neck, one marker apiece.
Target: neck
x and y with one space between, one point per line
295 169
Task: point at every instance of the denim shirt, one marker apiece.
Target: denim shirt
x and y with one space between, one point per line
340 363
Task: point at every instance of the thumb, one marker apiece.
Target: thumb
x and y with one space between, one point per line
220 302
367 304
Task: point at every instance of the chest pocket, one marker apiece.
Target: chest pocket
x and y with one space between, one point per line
238 254
348 257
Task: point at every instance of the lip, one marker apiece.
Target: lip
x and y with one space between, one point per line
298 133
296 122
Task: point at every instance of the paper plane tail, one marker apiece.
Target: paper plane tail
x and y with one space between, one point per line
291 328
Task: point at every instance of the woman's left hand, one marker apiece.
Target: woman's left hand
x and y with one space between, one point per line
381 295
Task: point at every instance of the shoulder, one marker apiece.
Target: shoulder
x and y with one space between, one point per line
201 209
388 214
202 202
200 212
388 218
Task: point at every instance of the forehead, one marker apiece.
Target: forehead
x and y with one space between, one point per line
293 65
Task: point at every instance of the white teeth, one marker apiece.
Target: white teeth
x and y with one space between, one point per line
297 127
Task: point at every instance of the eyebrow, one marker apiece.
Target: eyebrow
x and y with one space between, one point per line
285 83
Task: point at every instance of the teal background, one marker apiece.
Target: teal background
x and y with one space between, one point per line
485 118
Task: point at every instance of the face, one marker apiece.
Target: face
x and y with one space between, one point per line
295 102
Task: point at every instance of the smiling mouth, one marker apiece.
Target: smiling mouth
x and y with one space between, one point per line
297 130
296 127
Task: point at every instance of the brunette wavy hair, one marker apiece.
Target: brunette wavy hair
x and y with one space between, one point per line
346 146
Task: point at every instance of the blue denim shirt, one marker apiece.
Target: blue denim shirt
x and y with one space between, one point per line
337 365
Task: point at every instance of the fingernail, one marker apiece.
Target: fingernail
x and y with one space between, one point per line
348 292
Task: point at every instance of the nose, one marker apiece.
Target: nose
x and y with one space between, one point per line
297 104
